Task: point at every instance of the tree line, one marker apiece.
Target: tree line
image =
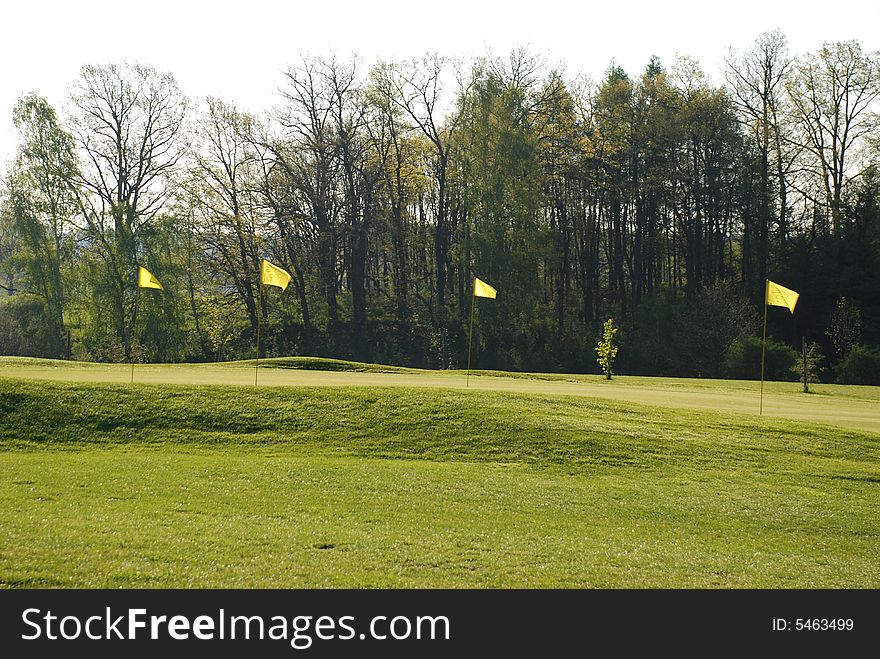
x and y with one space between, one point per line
661 200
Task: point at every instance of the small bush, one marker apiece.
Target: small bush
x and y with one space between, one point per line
743 360
860 366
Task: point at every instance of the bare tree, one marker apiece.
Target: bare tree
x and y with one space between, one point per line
390 132
282 203
128 124
418 89
757 79
306 153
358 181
832 93
223 179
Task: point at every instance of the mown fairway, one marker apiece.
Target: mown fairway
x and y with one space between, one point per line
411 480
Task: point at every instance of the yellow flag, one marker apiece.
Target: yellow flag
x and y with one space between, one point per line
147 280
482 289
780 296
272 275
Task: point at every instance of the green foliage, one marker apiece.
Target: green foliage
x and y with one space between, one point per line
499 170
659 199
652 336
571 352
26 328
860 366
846 326
219 326
706 327
674 335
42 201
607 348
104 347
743 361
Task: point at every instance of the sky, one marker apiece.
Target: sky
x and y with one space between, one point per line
237 50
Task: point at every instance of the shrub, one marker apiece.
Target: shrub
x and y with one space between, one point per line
860 366
709 324
671 335
743 360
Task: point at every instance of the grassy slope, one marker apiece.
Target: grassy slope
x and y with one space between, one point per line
847 406
169 485
299 363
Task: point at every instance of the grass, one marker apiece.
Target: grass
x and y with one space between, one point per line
164 485
851 407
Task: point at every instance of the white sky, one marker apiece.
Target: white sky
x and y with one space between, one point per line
236 50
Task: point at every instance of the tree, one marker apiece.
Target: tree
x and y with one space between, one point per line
23 327
757 79
614 116
43 204
706 326
607 348
808 368
504 236
832 93
307 155
658 199
860 366
559 134
359 178
222 188
705 164
281 201
418 88
845 329
128 125
397 154
9 246
654 137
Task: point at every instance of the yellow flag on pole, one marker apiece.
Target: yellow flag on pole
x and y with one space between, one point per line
780 296
147 280
482 289
272 275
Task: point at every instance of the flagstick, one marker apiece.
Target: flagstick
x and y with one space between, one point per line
470 335
763 345
137 304
259 313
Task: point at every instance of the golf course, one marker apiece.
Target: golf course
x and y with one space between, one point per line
340 474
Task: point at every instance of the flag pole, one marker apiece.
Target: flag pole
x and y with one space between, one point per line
763 346
471 334
259 313
137 304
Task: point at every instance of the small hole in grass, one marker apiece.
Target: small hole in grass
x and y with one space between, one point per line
324 545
